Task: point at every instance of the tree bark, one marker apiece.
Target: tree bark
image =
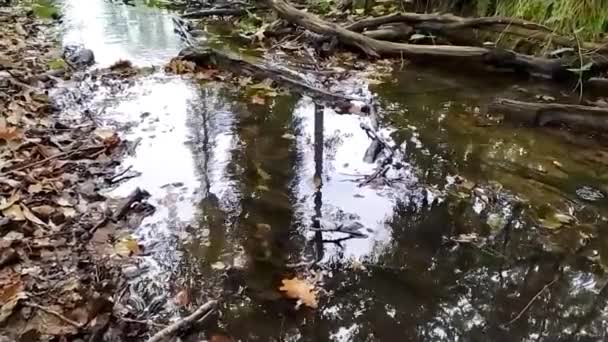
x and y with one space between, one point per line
541 114
469 55
450 22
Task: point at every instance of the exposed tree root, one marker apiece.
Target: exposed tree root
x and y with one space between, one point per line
541 114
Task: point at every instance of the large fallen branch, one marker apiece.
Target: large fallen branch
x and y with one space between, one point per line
256 68
498 58
445 23
541 114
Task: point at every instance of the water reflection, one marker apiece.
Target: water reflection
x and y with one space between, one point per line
242 190
116 31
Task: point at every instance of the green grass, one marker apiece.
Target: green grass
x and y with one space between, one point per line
588 18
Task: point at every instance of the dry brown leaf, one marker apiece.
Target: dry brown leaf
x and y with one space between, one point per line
10 133
34 188
8 202
14 212
301 290
220 338
127 247
182 298
257 99
44 211
31 217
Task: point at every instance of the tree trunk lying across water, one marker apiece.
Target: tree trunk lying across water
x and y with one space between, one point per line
554 69
541 114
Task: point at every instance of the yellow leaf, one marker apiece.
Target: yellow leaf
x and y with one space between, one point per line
31 217
257 99
127 247
7 203
301 290
14 212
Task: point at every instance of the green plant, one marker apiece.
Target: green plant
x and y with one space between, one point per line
590 16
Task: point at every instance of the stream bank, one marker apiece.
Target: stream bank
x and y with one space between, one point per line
251 183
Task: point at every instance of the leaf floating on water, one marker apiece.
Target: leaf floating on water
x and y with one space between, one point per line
127 247
266 84
220 338
263 174
257 99
218 266
301 290
466 238
556 220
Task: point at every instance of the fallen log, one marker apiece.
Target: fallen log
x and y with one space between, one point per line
393 33
542 114
449 23
553 69
215 12
256 68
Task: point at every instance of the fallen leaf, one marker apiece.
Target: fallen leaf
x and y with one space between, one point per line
266 84
263 174
218 266
301 290
6 203
31 217
14 212
44 211
10 295
69 212
127 247
34 188
220 338
256 99
182 298
10 133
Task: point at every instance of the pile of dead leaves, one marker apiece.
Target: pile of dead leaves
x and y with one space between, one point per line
54 281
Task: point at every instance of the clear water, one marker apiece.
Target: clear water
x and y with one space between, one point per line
218 166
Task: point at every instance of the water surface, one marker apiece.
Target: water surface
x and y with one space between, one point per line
454 247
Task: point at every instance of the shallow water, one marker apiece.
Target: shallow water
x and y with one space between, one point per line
239 188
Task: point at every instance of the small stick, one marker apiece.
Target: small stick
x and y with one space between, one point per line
196 317
136 196
532 301
55 313
55 156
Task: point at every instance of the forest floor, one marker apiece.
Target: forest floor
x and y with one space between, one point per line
62 248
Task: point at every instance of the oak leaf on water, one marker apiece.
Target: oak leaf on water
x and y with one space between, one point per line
301 290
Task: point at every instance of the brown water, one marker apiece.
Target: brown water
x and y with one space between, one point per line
439 259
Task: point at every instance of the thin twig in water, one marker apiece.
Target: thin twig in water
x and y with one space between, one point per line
521 313
54 313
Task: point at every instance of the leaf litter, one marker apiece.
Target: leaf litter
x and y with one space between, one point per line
61 254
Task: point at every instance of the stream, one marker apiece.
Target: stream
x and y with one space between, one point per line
444 252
